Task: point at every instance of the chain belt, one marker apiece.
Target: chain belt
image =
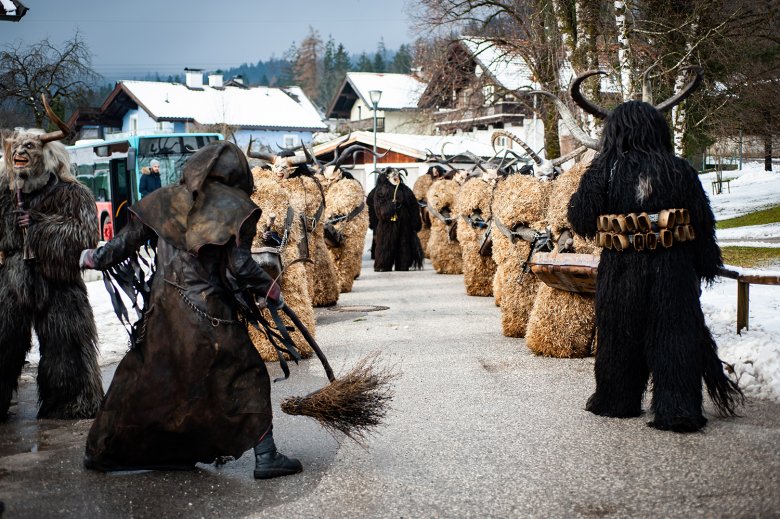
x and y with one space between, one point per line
215 321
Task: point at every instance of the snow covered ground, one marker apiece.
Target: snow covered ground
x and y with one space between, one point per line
755 354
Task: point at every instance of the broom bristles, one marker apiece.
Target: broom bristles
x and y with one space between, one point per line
354 404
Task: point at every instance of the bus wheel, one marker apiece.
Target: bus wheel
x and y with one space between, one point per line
106 228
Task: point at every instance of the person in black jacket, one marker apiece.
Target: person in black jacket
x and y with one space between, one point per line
150 180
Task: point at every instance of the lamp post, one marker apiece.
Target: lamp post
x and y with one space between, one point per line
375 96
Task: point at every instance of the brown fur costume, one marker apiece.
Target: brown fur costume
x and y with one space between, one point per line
305 197
562 324
474 199
272 198
518 200
46 292
420 190
341 198
443 251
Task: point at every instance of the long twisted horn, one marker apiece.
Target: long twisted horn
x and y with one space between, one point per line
568 156
339 160
503 133
685 92
63 131
569 121
268 157
310 155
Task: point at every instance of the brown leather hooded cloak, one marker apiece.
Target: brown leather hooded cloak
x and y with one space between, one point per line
193 388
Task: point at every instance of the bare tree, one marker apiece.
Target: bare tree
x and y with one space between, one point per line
62 72
307 64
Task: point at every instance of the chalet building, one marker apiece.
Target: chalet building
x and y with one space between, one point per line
397 112
271 116
401 150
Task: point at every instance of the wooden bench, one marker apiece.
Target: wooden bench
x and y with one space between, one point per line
719 184
743 290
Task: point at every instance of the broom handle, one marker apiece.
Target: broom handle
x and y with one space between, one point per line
20 205
306 335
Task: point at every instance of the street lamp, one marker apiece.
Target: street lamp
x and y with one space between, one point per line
375 96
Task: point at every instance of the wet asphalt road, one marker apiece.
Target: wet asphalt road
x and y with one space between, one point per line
480 427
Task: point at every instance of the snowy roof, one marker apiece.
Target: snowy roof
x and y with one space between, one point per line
258 107
399 91
502 63
412 145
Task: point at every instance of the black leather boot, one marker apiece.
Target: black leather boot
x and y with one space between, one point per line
270 463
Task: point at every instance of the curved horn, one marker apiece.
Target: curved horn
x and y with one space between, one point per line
268 157
560 160
685 92
310 155
339 159
477 160
63 132
647 87
297 160
515 138
569 121
583 103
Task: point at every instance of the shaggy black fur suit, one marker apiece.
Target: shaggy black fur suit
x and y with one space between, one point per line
648 313
394 216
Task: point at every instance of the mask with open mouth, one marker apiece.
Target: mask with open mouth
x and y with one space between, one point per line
25 162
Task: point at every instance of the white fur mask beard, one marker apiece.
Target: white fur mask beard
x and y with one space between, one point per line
643 189
394 178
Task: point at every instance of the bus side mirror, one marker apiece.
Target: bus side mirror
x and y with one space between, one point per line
131 159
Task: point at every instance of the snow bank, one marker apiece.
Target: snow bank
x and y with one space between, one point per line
751 189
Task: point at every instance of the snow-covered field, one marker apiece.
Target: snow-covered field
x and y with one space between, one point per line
755 354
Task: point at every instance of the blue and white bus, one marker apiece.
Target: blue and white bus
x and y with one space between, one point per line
111 168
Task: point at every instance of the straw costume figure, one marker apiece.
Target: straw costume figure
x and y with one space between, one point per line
649 211
46 218
420 189
443 245
394 216
472 208
281 233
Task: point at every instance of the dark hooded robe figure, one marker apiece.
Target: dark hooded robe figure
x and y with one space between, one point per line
394 216
648 313
192 388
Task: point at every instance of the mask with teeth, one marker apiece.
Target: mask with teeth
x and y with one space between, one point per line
394 177
29 161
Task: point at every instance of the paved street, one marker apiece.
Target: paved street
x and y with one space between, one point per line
480 427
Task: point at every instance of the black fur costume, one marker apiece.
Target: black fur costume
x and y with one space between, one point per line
394 216
648 313
48 294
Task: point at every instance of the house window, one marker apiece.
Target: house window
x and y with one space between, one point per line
504 142
488 93
159 125
134 124
290 141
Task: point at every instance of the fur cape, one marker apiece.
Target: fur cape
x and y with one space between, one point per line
443 250
519 200
420 190
563 324
474 199
341 198
272 199
48 293
306 198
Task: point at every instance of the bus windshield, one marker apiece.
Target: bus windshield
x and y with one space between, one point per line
171 152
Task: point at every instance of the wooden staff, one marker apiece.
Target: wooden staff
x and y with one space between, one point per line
20 206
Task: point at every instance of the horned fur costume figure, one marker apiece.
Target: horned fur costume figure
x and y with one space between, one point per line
649 317
443 246
562 323
47 217
472 209
420 189
519 205
308 200
394 216
346 216
272 199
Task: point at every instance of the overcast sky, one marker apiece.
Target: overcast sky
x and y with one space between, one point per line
130 37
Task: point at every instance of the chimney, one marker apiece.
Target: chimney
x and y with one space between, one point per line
193 78
215 79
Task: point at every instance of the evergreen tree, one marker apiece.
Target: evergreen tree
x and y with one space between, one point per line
379 57
286 75
330 77
364 64
402 62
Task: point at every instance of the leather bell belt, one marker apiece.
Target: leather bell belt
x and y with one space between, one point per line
644 231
